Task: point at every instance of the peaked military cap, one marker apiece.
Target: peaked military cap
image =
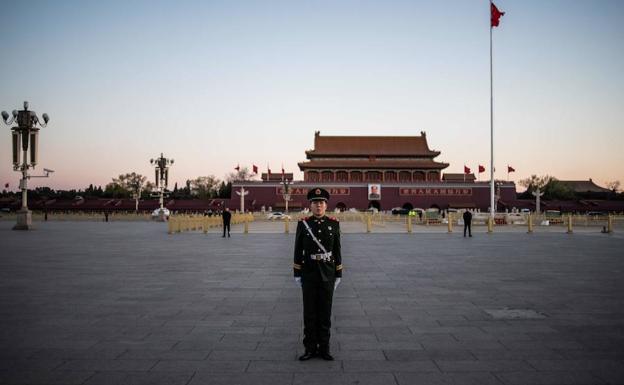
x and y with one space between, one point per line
318 194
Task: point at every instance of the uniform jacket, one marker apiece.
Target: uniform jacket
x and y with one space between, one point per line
227 216
327 232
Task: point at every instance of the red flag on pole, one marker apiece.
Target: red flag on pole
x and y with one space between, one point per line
510 169
481 169
237 168
255 169
495 15
282 171
269 170
466 170
6 185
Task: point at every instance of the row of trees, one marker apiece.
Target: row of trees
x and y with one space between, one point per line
136 186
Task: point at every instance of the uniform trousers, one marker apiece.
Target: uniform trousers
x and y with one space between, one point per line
467 227
317 306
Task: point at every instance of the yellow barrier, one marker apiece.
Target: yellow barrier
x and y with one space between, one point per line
181 223
569 223
610 224
409 224
490 225
530 223
286 226
450 222
369 224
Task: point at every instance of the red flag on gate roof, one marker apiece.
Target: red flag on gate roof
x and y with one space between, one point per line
466 170
255 169
237 168
269 170
481 169
6 185
495 15
510 169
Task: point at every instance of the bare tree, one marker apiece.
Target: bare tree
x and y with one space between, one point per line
131 184
535 182
614 186
241 175
205 186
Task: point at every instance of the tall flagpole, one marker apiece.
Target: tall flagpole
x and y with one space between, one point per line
492 209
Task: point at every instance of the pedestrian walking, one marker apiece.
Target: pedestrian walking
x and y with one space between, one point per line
467 223
318 271
227 217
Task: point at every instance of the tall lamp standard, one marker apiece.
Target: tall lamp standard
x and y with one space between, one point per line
161 173
286 192
25 135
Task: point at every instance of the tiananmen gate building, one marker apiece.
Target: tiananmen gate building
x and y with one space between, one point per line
373 171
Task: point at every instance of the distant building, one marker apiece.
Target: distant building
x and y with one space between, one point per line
585 187
374 159
458 178
402 171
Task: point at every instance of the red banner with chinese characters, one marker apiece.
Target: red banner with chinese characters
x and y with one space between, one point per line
304 190
418 191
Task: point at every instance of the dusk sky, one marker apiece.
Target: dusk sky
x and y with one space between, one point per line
214 84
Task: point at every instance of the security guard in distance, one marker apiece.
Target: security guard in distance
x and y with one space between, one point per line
318 270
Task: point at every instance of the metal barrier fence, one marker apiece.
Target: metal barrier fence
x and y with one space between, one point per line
385 222
181 223
368 222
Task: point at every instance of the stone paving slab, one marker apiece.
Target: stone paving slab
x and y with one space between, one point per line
126 303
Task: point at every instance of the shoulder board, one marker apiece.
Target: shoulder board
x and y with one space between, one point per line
334 219
303 219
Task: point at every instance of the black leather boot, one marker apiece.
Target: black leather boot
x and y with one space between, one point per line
307 355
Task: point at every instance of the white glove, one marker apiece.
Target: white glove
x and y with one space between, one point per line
336 283
298 281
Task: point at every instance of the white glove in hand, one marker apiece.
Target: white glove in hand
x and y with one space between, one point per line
298 281
336 283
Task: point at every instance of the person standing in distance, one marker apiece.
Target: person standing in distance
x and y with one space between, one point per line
467 222
227 216
318 270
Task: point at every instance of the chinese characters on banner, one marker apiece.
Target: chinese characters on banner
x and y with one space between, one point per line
304 191
435 191
413 191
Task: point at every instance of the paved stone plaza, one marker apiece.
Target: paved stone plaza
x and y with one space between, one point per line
125 303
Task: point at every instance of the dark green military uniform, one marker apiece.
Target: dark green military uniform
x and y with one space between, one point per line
318 271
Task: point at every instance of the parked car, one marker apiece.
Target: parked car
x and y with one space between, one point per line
400 211
277 215
156 213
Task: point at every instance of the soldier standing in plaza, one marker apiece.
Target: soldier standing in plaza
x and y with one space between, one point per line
318 270
467 222
227 217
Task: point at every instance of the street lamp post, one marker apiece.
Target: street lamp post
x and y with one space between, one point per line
286 192
26 136
161 172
